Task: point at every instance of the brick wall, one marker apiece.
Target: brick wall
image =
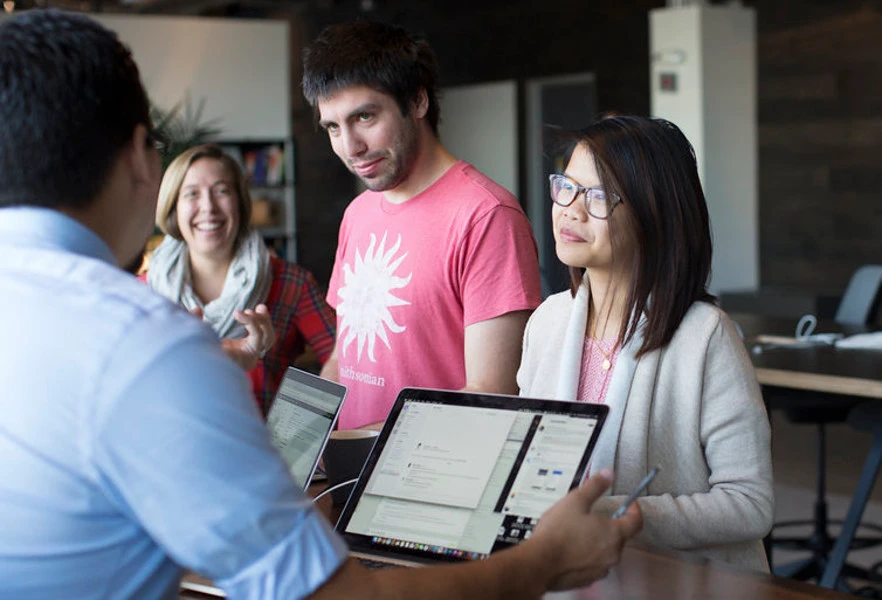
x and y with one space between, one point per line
820 113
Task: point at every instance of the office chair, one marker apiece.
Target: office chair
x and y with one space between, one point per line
858 307
864 417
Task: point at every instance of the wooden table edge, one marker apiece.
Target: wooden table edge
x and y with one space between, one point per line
817 382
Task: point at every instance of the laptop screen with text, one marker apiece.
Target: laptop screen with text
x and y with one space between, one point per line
301 419
457 475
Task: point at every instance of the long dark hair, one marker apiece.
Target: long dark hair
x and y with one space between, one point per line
651 165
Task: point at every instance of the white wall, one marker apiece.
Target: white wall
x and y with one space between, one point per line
675 47
479 125
730 109
242 68
712 52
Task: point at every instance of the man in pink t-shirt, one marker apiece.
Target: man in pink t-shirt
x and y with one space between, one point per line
436 268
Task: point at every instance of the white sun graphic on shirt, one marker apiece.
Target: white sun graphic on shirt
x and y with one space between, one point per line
367 296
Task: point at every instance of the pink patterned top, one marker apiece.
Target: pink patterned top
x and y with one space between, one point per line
593 380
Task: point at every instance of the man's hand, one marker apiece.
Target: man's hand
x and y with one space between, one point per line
581 546
261 336
570 547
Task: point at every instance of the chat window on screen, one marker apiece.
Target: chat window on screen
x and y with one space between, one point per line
298 424
450 478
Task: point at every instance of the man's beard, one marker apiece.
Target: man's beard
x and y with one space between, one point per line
401 160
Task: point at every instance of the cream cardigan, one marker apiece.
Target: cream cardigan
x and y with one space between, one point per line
693 408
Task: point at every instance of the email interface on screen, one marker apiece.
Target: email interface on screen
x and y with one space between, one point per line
299 422
464 481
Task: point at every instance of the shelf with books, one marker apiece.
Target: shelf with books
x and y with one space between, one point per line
268 166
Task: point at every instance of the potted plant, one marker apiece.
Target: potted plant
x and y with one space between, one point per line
181 127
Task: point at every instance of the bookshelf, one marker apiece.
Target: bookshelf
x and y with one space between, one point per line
268 165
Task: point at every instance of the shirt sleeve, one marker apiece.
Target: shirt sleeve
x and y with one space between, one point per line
181 449
499 266
336 276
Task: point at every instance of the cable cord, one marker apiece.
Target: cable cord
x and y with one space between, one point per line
335 487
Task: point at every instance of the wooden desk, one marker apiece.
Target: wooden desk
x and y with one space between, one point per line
652 575
820 369
815 374
646 574
814 368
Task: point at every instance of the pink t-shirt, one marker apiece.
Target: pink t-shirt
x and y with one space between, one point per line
408 278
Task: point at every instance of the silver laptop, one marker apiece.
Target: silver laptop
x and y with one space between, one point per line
455 476
301 419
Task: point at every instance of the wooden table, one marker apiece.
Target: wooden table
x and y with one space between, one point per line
659 575
654 575
821 374
644 574
814 368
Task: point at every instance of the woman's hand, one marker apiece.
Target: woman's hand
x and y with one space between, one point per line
246 351
261 337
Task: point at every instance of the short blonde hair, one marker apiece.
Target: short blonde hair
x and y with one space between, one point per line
173 179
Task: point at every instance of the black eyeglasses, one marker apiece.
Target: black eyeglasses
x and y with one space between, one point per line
598 202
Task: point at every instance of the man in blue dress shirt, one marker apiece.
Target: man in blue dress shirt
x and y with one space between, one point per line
130 447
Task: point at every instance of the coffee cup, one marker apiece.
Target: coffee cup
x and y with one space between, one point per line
345 454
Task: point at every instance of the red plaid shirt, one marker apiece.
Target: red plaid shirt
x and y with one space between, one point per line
300 315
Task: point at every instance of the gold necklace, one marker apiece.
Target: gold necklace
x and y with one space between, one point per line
606 365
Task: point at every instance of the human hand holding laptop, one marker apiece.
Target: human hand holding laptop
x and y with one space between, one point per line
571 548
447 460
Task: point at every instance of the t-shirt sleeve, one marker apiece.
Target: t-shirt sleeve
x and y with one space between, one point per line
336 275
499 266
182 450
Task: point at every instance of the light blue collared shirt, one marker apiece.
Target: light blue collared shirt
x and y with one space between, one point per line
130 446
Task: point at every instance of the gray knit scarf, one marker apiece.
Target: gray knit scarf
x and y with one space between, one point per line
247 283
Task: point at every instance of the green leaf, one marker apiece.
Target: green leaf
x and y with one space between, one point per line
182 131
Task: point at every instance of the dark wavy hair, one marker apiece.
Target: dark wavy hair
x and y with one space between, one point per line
651 165
376 55
70 98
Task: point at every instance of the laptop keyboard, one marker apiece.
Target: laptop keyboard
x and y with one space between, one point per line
375 564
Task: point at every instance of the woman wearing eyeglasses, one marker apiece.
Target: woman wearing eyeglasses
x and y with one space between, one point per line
214 263
638 331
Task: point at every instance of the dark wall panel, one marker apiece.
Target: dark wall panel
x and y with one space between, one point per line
820 137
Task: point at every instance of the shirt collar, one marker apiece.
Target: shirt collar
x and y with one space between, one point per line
47 228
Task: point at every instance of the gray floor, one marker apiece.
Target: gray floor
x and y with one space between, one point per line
793 453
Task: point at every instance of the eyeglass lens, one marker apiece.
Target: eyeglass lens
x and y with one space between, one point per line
564 190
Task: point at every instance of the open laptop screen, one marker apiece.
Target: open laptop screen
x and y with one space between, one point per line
301 419
457 476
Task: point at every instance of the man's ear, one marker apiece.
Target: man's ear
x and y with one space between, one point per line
421 104
141 157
